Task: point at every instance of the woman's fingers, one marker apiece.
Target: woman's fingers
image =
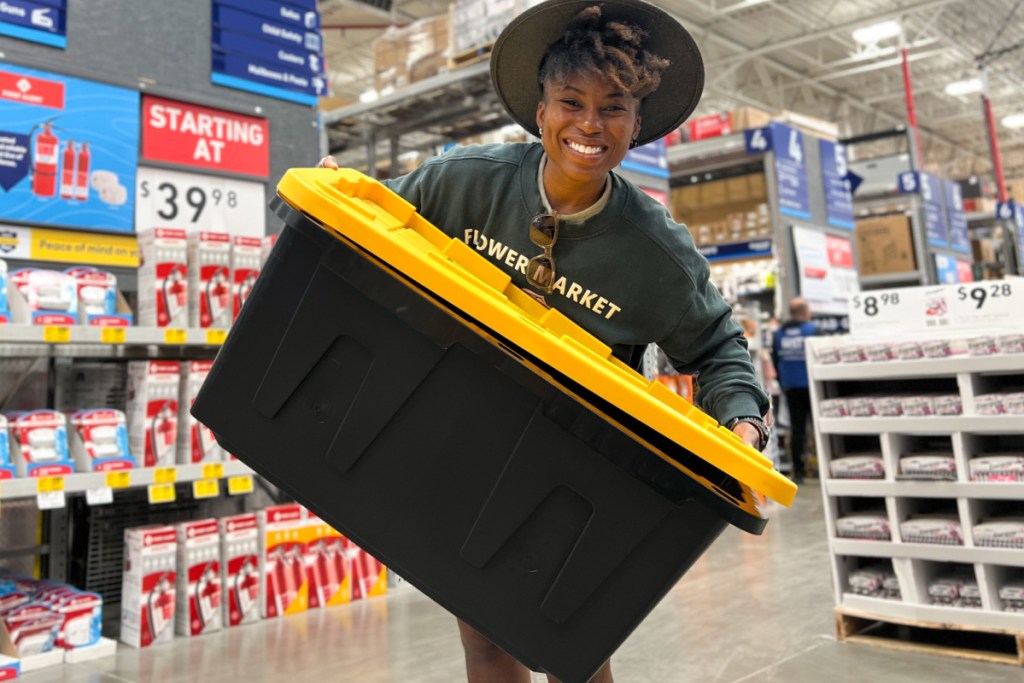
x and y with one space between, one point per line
328 162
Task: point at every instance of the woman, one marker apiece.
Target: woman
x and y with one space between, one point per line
591 81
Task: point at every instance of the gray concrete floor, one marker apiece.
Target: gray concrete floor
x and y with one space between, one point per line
752 609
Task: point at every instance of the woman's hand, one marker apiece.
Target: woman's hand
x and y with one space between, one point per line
748 433
328 162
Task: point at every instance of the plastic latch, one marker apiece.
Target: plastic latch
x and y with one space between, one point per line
563 328
459 253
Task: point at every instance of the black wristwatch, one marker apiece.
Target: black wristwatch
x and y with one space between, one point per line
763 430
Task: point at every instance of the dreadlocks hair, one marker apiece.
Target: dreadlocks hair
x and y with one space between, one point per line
614 49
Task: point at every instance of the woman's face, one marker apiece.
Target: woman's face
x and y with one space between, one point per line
587 125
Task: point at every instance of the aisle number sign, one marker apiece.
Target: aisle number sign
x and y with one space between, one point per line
928 186
1013 212
835 175
38 21
790 171
937 308
959 238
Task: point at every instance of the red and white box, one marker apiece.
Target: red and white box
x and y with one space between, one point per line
10 668
209 279
328 565
33 628
282 560
148 586
246 260
240 572
163 278
98 441
7 470
43 297
199 589
369 575
39 443
152 411
196 443
99 302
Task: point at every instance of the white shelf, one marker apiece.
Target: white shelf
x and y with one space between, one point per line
923 489
924 367
27 487
939 424
1013 621
924 551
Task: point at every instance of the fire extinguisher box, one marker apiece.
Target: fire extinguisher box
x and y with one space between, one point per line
152 411
209 280
199 591
282 560
484 447
148 585
328 565
240 572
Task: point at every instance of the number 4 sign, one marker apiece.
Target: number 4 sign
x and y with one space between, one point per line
757 141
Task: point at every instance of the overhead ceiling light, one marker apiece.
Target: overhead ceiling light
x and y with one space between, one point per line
1014 121
967 87
368 96
869 35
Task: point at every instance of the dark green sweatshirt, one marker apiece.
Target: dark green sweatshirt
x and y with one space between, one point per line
629 275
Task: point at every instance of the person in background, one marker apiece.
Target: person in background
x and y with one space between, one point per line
592 80
790 360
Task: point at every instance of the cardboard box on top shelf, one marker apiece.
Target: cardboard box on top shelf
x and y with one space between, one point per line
885 245
737 189
745 118
984 205
756 187
404 55
713 193
813 126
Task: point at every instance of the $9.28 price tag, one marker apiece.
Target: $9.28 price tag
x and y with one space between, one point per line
987 303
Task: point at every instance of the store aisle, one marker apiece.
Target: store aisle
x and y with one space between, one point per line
752 610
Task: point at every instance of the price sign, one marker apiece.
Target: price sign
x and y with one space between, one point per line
892 310
119 480
206 488
165 475
104 495
161 493
213 471
216 337
113 335
174 335
988 303
239 485
56 334
52 500
192 201
49 484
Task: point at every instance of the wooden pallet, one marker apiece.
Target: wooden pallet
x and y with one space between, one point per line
950 640
469 57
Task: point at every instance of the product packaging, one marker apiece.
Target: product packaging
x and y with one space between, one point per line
240 574
7 470
827 354
1000 532
163 278
10 668
1010 343
282 560
5 308
871 525
98 440
835 407
1012 597
889 406
920 405
148 585
328 566
909 350
989 404
246 258
930 466
1013 402
196 443
880 352
43 297
852 353
891 588
1002 467
99 302
39 443
948 404
862 466
944 348
369 575
876 582
955 590
33 628
942 529
862 406
152 411
209 279
81 614
199 589
984 345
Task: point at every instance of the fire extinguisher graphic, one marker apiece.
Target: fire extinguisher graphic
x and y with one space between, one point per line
67 175
45 153
82 175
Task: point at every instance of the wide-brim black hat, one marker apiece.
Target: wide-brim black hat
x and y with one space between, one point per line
517 54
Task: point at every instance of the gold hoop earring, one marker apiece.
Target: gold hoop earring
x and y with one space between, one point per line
540 132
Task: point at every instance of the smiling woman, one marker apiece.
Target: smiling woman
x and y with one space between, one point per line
591 79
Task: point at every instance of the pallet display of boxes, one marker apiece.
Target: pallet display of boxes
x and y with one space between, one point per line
404 55
476 23
724 211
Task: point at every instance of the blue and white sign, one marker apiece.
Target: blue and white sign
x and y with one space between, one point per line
38 21
959 238
834 171
1014 212
915 182
790 171
740 250
946 270
650 159
757 140
270 48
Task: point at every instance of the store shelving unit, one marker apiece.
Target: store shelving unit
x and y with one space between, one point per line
964 436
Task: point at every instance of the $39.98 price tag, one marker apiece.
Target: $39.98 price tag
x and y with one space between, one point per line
191 201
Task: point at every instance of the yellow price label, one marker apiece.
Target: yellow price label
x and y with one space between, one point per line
119 480
161 493
49 484
56 334
216 337
205 488
174 335
165 475
213 471
239 485
113 335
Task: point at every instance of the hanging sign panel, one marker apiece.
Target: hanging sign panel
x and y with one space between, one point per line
834 171
650 159
68 151
959 238
268 47
828 278
37 21
790 171
928 186
200 137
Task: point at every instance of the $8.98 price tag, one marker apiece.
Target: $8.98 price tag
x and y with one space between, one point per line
188 201
889 309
